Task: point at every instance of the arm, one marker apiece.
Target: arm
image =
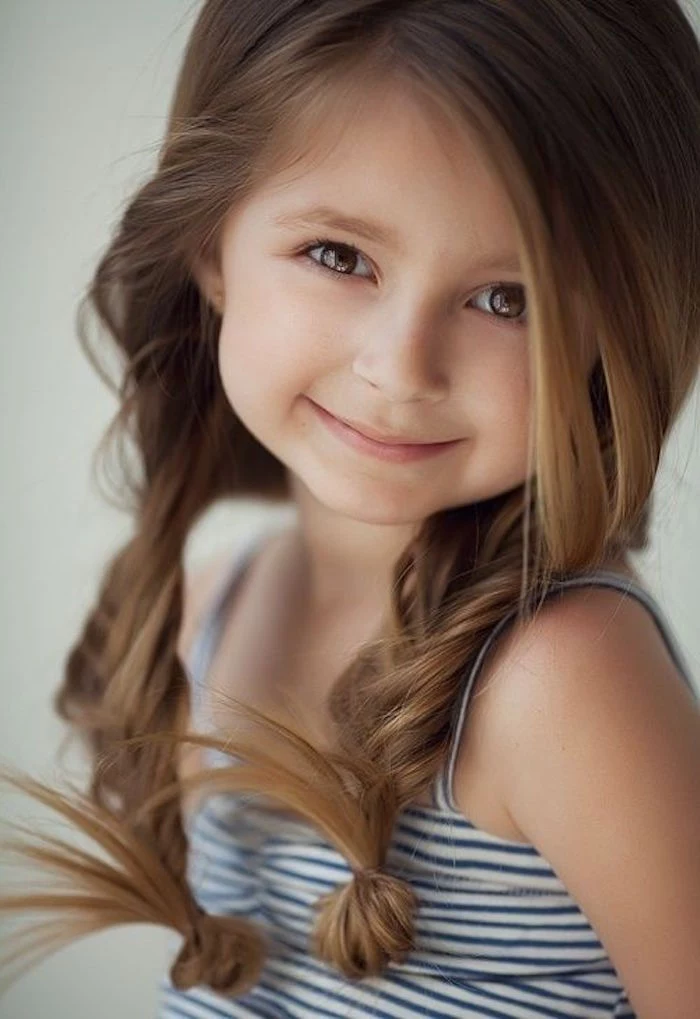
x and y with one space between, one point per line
600 770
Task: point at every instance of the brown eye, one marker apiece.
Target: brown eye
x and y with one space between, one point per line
339 259
506 301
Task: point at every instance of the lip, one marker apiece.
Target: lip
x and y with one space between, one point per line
385 440
396 452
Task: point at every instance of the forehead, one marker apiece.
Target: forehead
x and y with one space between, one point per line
392 156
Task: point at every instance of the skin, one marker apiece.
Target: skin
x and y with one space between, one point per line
405 338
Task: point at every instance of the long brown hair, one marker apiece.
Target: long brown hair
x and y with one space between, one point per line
602 168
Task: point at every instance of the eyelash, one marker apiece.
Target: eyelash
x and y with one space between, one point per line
326 242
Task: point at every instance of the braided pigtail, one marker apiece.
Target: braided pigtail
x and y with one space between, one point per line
394 706
123 682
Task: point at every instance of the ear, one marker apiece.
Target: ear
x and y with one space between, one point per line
209 278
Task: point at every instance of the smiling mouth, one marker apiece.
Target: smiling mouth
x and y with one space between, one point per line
393 452
383 439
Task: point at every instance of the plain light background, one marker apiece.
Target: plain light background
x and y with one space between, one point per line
85 91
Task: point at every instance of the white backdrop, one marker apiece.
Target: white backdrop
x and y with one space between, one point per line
85 89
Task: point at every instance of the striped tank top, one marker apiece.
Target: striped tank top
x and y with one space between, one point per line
497 934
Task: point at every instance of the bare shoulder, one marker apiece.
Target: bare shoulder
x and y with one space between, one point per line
599 767
201 582
593 642
200 586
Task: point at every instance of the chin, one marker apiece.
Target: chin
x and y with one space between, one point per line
372 501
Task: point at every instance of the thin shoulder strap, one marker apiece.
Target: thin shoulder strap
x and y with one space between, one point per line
442 791
209 629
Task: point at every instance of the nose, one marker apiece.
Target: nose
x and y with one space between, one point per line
400 356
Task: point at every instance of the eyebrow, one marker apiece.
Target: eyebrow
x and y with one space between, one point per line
378 233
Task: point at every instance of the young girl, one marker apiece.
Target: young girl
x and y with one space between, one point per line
428 271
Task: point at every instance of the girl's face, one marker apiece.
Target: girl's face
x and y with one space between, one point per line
413 327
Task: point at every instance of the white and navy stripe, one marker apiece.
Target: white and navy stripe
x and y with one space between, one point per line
497 934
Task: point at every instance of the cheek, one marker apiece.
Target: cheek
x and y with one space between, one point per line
516 393
499 372
505 403
268 353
